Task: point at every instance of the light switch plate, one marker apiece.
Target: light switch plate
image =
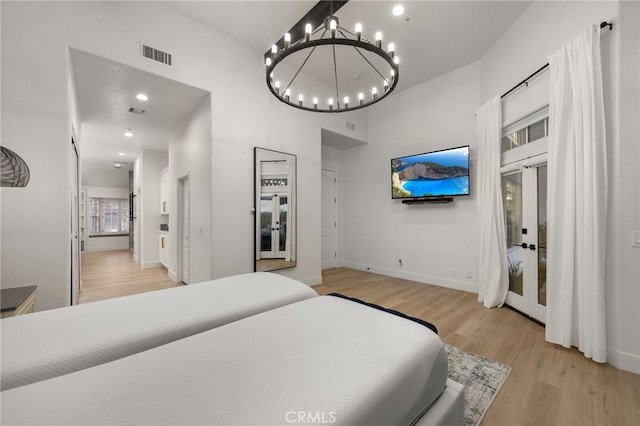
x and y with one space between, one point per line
635 239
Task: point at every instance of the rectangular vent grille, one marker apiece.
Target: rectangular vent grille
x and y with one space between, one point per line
155 54
136 111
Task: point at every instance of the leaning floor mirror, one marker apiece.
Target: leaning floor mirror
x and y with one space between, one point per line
275 207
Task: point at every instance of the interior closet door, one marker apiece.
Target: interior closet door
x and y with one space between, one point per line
525 203
329 219
75 223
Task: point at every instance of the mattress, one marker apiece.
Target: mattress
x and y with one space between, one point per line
321 360
52 343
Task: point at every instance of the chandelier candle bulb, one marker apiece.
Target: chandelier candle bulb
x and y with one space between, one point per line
379 40
267 61
307 32
392 48
277 87
361 98
396 60
287 40
330 103
300 99
332 26
374 93
315 103
386 85
346 102
274 51
287 93
359 31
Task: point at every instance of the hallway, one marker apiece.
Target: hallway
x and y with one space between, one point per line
109 274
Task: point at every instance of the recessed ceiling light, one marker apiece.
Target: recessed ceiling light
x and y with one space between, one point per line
128 133
142 97
398 10
121 154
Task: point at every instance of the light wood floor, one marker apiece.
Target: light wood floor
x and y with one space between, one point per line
108 274
548 384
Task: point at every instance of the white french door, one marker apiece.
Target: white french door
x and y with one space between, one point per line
274 211
524 194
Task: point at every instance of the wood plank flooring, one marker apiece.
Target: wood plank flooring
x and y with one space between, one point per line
548 385
108 274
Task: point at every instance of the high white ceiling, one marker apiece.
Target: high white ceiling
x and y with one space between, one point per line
106 90
431 38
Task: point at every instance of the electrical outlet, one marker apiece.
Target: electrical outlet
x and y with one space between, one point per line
453 272
469 275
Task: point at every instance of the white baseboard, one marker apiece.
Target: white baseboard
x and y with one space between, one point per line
105 248
154 264
312 280
623 361
172 276
471 287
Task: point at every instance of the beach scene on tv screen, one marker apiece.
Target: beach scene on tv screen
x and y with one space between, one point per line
435 174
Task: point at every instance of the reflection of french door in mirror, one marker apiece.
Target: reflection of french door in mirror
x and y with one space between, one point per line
524 194
273 226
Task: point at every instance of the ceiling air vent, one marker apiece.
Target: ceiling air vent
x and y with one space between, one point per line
149 52
136 111
119 165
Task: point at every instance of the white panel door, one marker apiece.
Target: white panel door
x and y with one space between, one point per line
329 219
185 230
525 203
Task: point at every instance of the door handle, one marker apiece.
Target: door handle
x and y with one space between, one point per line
532 246
524 245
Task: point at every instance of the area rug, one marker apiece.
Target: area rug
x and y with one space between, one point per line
482 379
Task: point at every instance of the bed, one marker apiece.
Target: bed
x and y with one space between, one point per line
52 343
320 360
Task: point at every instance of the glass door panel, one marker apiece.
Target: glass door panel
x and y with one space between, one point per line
266 225
542 235
512 193
282 226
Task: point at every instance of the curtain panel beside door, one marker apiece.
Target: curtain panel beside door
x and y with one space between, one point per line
577 209
493 281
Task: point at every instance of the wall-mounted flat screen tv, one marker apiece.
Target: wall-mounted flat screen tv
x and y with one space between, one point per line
434 174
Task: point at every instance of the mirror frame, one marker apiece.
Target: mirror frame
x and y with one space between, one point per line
262 154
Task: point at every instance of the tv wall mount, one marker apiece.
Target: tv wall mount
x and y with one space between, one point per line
430 200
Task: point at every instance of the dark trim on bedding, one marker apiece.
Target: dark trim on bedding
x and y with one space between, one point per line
390 311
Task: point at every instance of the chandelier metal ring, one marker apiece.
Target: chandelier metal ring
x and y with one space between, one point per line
357 43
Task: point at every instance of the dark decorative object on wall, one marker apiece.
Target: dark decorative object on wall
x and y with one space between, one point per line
13 169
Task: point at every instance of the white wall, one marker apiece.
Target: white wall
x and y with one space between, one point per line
190 154
112 178
431 239
104 243
541 30
244 114
149 217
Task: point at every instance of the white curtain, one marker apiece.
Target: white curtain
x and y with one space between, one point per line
493 280
577 203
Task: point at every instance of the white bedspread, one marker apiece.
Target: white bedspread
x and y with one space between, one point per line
51 343
324 359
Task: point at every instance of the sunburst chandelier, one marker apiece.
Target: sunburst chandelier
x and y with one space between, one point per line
331 69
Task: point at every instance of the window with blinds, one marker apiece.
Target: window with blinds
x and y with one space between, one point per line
109 216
